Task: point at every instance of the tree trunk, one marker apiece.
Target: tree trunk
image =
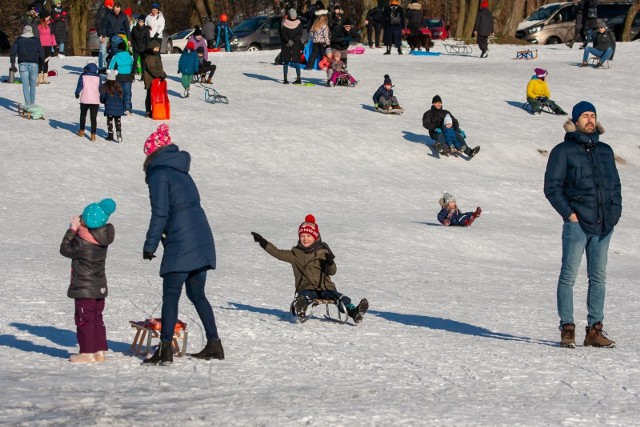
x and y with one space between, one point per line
462 12
79 13
471 18
626 30
515 17
201 8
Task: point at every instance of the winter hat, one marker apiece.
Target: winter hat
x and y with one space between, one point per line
122 46
387 80
446 199
580 108
111 74
394 2
108 3
27 31
155 6
602 23
293 15
328 51
200 49
190 45
484 3
540 73
436 99
197 32
142 18
319 5
154 43
448 120
310 227
160 138
347 21
128 11
96 215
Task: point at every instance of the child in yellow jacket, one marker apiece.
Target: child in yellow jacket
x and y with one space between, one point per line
538 94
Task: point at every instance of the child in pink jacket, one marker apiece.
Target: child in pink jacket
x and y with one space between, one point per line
48 41
88 91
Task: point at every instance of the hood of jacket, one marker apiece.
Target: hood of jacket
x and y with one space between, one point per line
91 68
414 6
291 24
573 134
104 235
170 157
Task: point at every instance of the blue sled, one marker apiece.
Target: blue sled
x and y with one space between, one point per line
422 53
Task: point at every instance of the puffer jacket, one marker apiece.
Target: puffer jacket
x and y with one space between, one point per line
309 269
382 92
113 24
60 24
88 278
200 43
484 22
432 119
177 219
582 177
153 68
415 18
291 31
188 63
537 88
140 38
123 62
603 41
113 104
47 39
89 85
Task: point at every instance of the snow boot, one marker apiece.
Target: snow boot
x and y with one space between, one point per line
568 335
399 51
286 82
297 81
473 217
471 152
45 78
596 337
80 132
118 136
82 358
40 79
109 137
186 93
213 350
388 52
162 356
583 64
93 136
357 313
300 307
100 356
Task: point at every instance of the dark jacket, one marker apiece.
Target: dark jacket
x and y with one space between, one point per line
415 18
484 22
432 119
59 24
113 25
387 19
603 41
374 16
26 49
382 92
88 278
177 219
98 21
113 104
188 63
590 13
209 30
291 31
454 216
140 38
582 178
340 38
153 69
309 269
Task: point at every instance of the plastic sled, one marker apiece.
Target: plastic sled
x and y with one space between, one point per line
358 50
160 107
214 49
527 54
31 112
342 310
457 47
52 73
423 53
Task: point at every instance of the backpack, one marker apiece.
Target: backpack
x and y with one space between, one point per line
394 18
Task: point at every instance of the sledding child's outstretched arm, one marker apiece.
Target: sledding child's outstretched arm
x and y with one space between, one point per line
271 249
70 247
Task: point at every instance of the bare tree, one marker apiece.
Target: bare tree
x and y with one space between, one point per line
515 16
79 13
626 30
471 18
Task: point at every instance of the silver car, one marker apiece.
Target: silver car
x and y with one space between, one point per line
259 33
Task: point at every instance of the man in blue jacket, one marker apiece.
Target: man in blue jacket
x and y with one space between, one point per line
582 183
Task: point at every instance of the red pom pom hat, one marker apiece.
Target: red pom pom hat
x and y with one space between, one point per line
310 227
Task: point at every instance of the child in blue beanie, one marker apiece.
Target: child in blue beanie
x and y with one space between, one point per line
86 242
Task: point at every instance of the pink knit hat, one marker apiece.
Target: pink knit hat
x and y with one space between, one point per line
158 139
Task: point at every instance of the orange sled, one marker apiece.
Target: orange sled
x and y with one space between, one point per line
160 107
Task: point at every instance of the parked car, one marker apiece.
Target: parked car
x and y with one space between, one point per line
555 22
259 33
439 31
617 25
179 40
93 41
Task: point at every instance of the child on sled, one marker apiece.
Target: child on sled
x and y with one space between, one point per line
313 264
450 140
450 214
383 98
340 72
538 94
204 67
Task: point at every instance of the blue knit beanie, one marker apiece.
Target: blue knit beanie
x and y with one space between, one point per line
96 215
580 108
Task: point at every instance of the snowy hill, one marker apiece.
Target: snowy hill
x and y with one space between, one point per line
462 327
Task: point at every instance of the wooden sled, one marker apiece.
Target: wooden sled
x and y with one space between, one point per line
150 328
527 54
342 310
457 47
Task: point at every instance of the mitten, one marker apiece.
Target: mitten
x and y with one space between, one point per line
258 238
77 95
329 259
438 130
13 69
148 255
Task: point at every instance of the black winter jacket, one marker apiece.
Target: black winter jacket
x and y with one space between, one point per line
415 18
386 18
340 38
432 120
603 41
115 24
293 52
59 24
484 22
582 177
27 49
140 38
88 279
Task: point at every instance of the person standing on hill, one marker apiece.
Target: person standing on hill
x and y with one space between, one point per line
582 184
209 32
30 55
291 51
155 22
590 19
374 23
393 17
140 39
59 25
483 28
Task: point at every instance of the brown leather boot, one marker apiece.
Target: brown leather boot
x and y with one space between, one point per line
568 335
80 132
93 136
596 337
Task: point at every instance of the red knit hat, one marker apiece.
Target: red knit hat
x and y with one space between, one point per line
108 3
310 227
484 3
191 45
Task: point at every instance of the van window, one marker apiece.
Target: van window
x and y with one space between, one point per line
568 14
544 12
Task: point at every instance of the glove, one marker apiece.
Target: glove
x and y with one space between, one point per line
148 255
290 43
13 69
77 96
329 259
461 132
258 238
438 130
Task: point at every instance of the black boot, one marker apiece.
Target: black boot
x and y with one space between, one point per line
213 350
399 51
388 52
162 356
110 137
357 313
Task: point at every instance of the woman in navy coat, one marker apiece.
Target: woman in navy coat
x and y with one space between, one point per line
179 222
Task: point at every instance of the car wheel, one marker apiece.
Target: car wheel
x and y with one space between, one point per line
254 48
170 47
553 40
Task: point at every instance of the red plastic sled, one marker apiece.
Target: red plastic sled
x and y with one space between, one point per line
160 107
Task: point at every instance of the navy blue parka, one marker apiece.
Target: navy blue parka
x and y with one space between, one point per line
177 219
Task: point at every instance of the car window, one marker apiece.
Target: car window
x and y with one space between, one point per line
249 25
543 13
275 24
433 23
181 35
568 14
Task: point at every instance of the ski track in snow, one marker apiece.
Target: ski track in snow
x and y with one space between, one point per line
462 327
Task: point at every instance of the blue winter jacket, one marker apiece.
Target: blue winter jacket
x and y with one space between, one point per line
582 177
188 63
177 219
113 104
382 92
123 62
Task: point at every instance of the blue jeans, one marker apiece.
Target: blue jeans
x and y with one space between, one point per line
603 55
126 96
61 48
574 243
171 290
102 55
29 76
